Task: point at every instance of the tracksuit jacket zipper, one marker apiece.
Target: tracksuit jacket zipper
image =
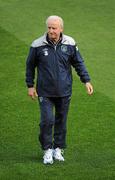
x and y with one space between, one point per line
55 64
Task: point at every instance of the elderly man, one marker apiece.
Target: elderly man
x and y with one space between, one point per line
53 55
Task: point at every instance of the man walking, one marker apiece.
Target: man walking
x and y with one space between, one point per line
53 55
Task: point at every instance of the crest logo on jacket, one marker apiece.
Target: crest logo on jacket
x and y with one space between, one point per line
45 51
64 48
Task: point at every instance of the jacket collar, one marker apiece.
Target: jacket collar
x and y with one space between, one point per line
48 41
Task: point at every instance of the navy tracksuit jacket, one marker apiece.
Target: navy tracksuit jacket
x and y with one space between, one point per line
53 62
54 84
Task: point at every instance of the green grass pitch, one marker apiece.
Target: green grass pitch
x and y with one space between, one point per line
90 153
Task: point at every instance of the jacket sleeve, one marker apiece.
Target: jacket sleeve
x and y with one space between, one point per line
30 67
78 63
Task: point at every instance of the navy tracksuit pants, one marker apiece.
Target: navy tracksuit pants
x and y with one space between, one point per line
54 112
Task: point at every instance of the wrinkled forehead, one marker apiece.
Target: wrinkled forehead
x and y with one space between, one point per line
54 22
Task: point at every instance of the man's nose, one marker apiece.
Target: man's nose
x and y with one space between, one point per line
50 30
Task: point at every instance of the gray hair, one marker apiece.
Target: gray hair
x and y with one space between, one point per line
54 17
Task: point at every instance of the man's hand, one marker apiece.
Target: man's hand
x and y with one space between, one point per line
89 88
32 93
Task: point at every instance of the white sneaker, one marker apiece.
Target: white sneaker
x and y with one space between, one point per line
57 154
48 156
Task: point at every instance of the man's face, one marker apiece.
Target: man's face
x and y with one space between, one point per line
54 29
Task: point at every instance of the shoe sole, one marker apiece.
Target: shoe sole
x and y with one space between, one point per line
48 162
58 159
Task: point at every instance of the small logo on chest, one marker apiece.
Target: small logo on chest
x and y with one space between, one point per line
64 48
45 51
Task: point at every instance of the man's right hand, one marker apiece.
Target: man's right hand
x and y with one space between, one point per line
32 93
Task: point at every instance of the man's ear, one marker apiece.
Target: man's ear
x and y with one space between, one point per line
61 30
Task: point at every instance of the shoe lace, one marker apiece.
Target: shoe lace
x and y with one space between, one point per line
48 153
59 152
